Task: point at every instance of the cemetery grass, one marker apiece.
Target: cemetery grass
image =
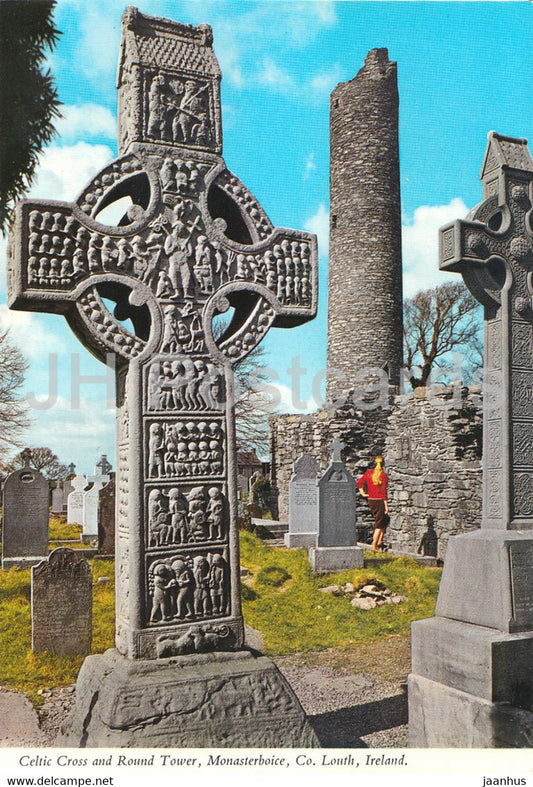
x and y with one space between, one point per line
59 530
28 672
295 616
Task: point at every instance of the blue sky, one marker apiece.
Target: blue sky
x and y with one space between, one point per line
463 69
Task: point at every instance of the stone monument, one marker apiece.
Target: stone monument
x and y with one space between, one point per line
472 683
91 497
75 500
336 547
25 516
106 518
303 503
194 243
61 604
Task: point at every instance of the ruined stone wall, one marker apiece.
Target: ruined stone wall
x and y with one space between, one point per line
432 448
363 433
433 452
365 267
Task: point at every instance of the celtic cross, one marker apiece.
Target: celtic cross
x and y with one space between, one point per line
193 243
493 250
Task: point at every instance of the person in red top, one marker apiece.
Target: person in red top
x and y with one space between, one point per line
373 486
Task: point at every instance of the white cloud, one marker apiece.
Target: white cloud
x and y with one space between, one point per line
29 333
86 120
79 435
310 166
64 170
319 224
325 81
420 241
275 77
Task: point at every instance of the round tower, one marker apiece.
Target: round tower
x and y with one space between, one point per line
365 322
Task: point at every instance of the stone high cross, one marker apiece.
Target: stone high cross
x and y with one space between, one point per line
193 243
493 250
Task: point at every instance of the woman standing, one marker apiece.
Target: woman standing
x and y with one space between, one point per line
373 486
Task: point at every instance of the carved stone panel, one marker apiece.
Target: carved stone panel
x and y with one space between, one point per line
61 604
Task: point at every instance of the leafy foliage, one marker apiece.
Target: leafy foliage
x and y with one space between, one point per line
437 322
28 97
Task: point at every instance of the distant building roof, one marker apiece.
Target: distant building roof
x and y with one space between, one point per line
247 458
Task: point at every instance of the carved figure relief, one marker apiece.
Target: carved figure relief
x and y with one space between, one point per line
188 588
182 515
182 330
184 449
179 110
185 383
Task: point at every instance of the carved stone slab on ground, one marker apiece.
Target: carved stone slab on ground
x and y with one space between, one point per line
61 604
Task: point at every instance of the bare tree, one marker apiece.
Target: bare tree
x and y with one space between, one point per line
437 322
13 409
44 460
251 408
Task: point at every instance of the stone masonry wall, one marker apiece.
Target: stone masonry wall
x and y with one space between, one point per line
363 433
433 452
365 265
432 448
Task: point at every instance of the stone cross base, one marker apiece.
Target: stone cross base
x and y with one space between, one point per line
443 717
300 540
328 559
471 683
207 700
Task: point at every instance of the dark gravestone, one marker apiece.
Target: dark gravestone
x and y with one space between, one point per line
303 503
61 604
106 519
471 683
25 524
194 244
337 536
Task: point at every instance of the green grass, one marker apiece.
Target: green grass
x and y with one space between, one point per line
281 598
59 530
297 617
25 671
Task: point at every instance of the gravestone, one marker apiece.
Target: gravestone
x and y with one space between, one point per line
193 244
61 604
336 547
471 683
91 497
106 518
75 500
60 495
303 503
25 516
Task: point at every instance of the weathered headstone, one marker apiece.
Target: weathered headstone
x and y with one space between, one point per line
106 518
25 516
194 243
91 497
61 604
336 547
472 683
303 503
60 494
75 500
